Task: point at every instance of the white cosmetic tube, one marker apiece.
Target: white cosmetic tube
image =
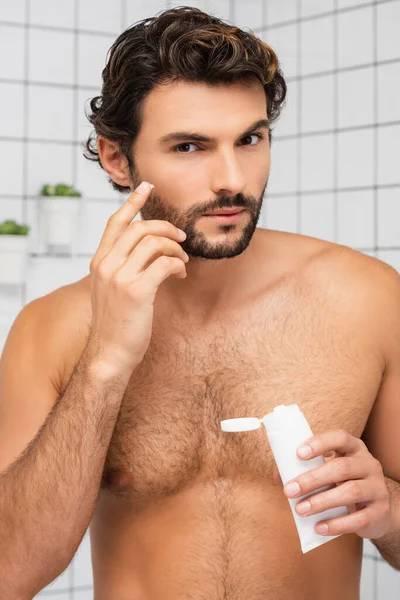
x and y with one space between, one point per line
287 428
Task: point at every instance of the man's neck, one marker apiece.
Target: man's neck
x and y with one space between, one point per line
212 286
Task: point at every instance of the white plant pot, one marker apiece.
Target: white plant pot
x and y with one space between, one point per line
59 220
13 258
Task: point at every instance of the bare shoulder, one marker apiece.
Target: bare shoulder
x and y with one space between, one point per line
352 284
64 317
362 288
364 277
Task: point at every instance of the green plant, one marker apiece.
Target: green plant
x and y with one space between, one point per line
61 189
12 228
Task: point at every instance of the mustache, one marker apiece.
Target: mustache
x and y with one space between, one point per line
225 202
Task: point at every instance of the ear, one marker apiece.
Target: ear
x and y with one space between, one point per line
113 161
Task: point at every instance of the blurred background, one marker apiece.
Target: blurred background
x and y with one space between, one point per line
335 171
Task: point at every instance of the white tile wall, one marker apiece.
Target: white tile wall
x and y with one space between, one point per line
389 217
100 15
356 218
370 550
317 108
309 8
316 46
317 150
56 596
249 13
13 12
355 97
349 53
284 41
48 12
388 582
355 158
350 3
55 113
83 564
93 221
11 161
367 588
143 9
48 163
10 208
50 113
91 179
281 213
47 273
283 172
279 12
51 56
317 216
388 30
12 113
92 55
12 51
62 582
392 257
83 595
389 93
218 8
388 154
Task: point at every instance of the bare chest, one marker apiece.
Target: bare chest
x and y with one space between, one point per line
168 433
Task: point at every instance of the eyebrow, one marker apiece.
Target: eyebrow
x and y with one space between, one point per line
181 136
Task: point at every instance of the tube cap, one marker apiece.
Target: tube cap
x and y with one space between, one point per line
242 424
283 417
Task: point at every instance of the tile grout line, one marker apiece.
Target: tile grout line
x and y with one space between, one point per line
335 123
25 118
299 67
375 143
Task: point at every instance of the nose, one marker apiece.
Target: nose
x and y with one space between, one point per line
228 177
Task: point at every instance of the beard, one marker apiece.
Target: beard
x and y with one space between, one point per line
197 244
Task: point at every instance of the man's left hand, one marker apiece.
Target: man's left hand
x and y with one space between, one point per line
362 486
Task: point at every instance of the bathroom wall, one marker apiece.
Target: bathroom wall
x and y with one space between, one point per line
335 167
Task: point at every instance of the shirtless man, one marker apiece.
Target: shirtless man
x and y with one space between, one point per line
112 389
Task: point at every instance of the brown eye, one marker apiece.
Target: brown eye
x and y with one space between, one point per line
257 135
186 144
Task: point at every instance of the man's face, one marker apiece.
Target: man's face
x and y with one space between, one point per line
192 176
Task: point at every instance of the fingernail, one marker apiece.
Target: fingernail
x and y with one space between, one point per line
144 187
303 508
304 451
291 489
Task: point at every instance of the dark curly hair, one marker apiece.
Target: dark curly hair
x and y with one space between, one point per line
180 44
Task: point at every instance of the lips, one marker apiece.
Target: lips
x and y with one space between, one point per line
224 211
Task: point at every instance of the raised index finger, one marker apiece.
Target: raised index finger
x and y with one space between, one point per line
122 217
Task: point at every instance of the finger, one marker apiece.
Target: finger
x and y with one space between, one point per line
337 440
146 252
158 271
121 219
335 471
135 233
346 494
330 455
347 524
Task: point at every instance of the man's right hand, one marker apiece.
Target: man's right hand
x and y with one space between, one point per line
132 260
